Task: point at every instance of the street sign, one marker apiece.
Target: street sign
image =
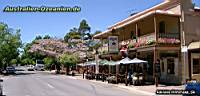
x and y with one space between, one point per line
184 49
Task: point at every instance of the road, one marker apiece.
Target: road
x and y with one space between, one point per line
34 83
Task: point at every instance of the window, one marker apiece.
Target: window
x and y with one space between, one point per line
196 66
139 33
170 66
162 27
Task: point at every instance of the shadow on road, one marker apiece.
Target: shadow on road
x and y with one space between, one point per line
23 73
20 70
18 73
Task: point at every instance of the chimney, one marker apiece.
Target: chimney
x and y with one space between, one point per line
186 5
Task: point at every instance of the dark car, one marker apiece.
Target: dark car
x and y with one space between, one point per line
1 88
10 70
193 86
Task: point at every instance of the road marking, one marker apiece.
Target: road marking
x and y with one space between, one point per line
50 86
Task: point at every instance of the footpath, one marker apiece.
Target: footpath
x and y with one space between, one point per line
149 90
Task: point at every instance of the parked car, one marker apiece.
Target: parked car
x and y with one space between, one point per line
193 86
1 88
30 68
39 67
10 70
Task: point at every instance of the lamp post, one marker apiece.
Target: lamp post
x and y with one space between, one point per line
186 5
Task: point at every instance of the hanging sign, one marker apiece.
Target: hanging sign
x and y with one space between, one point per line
113 44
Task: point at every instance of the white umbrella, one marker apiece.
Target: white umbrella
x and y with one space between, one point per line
81 64
124 61
136 60
90 64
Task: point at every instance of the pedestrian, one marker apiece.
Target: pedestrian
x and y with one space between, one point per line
130 77
157 72
83 73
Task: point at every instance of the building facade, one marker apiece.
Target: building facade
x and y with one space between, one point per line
160 34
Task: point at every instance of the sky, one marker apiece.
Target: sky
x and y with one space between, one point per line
100 14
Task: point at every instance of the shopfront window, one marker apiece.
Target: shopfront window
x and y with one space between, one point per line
170 66
196 66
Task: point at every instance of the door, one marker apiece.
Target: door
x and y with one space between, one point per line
195 66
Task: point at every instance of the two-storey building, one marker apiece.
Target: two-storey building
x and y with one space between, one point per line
158 34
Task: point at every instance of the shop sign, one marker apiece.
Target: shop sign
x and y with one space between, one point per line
113 46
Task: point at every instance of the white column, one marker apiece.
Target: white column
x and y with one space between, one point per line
97 63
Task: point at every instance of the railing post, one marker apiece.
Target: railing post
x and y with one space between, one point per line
155 28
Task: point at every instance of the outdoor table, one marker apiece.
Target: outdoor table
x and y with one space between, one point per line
138 79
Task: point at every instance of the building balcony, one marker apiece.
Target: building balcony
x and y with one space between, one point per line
145 41
150 39
168 38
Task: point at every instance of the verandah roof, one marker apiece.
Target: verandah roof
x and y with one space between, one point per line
160 12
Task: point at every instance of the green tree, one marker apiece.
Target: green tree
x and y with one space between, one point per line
46 37
84 29
27 55
68 60
38 37
13 61
10 41
72 34
49 61
27 61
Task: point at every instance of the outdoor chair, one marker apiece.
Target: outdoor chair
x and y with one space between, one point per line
88 76
138 78
121 78
111 79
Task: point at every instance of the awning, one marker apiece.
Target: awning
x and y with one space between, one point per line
124 61
137 61
194 45
81 64
90 63
106 62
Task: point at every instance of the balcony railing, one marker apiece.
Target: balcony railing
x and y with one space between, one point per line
168 38
142 40
169 35
148 39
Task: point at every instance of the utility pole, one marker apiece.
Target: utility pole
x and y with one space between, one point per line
186 6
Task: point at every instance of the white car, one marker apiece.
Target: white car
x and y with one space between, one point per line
39 67
30 68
